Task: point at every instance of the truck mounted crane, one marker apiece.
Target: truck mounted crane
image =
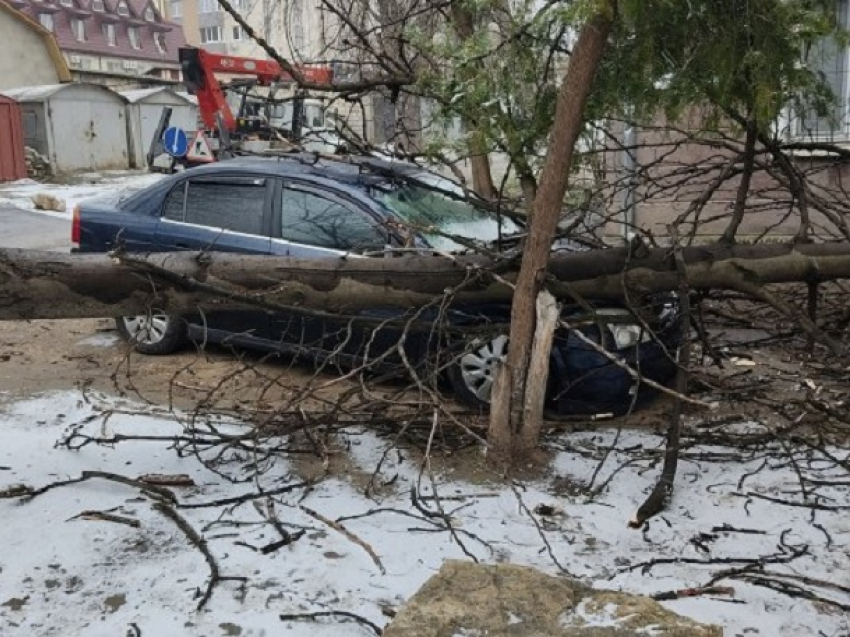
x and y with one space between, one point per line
261 121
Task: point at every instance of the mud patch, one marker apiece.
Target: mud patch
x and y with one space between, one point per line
114 602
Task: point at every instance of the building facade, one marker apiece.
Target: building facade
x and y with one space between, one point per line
107 41
37 58
207 25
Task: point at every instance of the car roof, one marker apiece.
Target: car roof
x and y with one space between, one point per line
355 170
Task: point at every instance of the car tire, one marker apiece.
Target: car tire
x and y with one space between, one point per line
473 370
155 334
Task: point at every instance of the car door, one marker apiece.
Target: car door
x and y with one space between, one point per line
221 213
316 223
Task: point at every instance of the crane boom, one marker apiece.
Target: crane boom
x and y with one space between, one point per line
200 66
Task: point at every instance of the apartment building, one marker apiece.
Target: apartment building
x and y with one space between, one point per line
207 25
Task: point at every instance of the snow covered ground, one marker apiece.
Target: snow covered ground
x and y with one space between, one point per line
19 193
63 574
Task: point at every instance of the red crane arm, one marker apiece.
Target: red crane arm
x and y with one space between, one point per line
199 68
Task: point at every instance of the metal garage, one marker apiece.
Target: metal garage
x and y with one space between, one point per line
76 126
144 108
12 158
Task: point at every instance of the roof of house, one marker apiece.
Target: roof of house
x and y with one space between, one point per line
141 15
50 43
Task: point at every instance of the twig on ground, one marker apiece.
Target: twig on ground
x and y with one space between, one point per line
333 613
351 536
28 493
246 497
777 558
106 517
792 503
163 480
693 592
201 544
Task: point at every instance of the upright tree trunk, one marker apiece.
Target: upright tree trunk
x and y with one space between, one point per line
482 175
464 22
744 185
506 437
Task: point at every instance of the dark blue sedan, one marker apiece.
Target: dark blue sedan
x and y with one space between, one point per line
297 206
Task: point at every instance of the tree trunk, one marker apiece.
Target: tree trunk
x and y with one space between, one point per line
482 175
506 420
464 23
744 185
548 314
49 285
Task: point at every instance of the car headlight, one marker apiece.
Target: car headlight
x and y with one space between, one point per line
625 334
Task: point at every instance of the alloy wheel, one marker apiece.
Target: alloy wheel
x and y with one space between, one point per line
478 366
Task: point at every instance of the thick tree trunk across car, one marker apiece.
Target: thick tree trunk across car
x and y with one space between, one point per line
37 285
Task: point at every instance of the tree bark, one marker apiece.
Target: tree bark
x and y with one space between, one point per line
482 174
464 23
744 185
548 313
49 285
506 419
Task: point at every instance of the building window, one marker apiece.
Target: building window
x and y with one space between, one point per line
79 29
149 14
210 34
46 20
208 6
237 32
159 41
66 3
123 10
109 34
133 34
176 8
97 5
830 58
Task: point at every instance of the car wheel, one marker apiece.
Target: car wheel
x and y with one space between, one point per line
153 333
473 372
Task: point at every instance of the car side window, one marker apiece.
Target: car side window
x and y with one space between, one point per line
232 203
174 203
313 219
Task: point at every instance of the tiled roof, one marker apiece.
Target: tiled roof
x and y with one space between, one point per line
96 42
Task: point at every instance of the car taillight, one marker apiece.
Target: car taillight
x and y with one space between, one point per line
75 227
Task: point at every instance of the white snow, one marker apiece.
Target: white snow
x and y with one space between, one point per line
19 193
100 340
62 575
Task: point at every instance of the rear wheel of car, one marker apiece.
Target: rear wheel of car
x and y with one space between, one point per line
473 372
153 333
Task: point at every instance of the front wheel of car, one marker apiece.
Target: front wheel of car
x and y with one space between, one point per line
473 372
154 333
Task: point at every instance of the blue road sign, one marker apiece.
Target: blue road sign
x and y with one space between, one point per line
175 141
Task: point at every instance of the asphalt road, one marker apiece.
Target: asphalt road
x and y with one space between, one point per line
33 231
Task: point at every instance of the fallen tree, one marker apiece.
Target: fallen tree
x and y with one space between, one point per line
40 285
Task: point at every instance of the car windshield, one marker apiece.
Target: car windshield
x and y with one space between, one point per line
436 214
